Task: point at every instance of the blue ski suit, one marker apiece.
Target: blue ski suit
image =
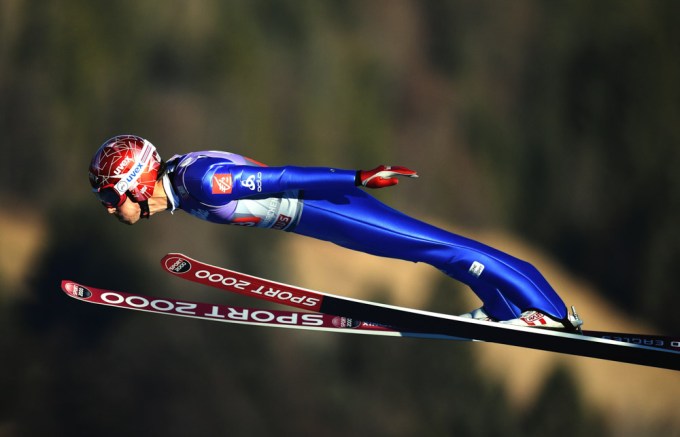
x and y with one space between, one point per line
325 203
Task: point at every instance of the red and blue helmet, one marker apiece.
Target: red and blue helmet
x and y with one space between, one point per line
124 166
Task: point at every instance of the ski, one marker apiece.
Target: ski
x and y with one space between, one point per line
233 314
663 352
288 319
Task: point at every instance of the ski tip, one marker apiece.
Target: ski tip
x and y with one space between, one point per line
75 290
176 263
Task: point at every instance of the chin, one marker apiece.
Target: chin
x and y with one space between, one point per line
126 220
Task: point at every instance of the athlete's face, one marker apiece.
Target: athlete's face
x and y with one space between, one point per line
128 213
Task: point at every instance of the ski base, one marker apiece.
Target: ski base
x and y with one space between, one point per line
234 314
326 312
411 320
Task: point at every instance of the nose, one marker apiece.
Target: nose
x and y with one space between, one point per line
111 210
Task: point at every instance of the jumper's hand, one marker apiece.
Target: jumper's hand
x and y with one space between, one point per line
383 176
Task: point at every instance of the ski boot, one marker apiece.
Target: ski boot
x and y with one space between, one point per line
536 319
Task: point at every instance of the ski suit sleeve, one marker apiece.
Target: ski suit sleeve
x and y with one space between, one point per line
222 183
251 181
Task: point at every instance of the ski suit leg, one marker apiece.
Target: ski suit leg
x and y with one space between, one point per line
358 221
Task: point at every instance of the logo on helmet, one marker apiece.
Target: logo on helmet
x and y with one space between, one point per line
134 173
122 166
122 187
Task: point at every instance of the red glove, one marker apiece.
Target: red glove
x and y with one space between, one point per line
383 176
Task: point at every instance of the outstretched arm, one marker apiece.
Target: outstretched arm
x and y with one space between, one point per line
250 181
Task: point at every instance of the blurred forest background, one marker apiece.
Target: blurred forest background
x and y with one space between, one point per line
554 121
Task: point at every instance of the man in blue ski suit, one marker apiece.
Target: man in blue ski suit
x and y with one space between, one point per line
128 176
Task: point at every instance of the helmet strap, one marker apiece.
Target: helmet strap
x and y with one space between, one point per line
144 206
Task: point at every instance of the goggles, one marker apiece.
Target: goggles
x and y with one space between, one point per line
109 196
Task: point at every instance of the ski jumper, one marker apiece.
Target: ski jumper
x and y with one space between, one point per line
325 203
